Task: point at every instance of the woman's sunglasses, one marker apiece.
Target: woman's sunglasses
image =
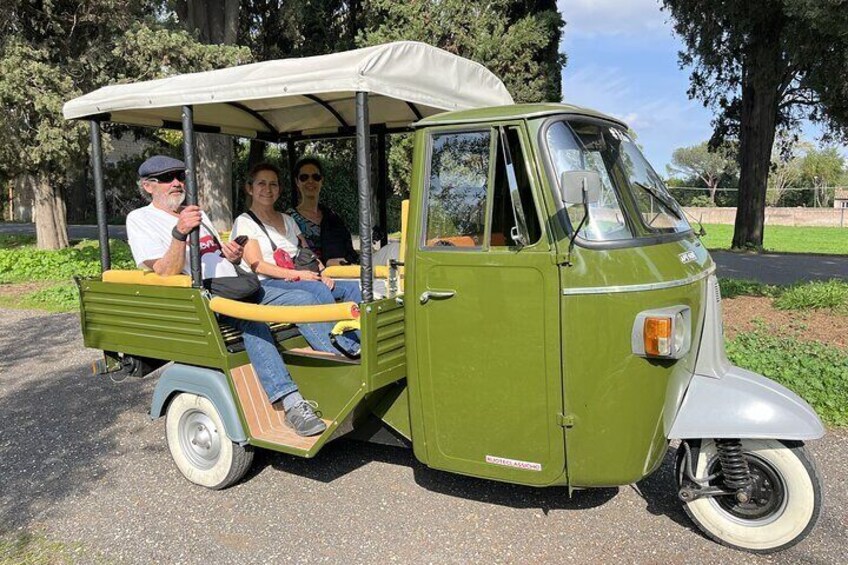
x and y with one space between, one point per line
167 178
303 177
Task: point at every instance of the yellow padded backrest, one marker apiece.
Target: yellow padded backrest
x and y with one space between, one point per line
146 278
352 271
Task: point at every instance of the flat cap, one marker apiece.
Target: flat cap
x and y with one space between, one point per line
159 164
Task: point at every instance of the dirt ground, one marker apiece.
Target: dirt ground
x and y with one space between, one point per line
745 313
12 290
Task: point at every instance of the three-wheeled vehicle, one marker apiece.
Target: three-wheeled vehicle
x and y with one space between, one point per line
553 319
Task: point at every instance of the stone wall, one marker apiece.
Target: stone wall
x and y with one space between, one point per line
824 217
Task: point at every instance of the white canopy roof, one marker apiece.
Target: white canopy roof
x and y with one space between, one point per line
406 80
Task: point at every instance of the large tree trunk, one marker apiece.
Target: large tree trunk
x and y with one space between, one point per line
51 227
215 178
216 21
761 78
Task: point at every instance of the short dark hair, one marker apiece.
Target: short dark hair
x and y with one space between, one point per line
258 168
307 160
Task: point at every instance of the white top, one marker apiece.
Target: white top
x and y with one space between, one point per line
149 234
244 225
275 95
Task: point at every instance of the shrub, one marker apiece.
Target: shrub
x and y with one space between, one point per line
731 288
816 372
61 298
818 294
83 259
702 201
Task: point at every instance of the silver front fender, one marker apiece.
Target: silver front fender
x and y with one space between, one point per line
725 401
742 404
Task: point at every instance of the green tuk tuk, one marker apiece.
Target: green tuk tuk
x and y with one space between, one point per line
552 319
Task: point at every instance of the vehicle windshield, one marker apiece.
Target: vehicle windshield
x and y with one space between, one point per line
633 202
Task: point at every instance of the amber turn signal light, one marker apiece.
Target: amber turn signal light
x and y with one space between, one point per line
658 336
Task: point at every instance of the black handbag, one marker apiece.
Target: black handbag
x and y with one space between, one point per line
244 287
305 260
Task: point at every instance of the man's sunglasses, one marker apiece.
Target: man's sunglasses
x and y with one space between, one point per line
317 177
167 178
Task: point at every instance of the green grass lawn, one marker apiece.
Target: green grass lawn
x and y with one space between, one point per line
785 239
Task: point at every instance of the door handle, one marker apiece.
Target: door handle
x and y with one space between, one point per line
435 294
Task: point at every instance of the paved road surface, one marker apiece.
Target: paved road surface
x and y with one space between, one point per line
783 269
80 460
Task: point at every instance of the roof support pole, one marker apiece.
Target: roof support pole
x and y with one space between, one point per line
363 173
292 153
100 196
191 192
382 187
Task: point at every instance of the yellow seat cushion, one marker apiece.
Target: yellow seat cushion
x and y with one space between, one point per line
352 271
146 278
287 314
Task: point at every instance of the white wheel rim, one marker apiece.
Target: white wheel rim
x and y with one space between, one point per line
199 439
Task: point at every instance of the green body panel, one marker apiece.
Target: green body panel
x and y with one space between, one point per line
622 405
150 321
393 409
383 342
484 371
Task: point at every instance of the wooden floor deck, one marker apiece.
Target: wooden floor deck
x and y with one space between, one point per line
266 421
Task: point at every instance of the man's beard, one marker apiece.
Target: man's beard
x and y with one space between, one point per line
172 202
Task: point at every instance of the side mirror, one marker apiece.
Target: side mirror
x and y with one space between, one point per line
580 187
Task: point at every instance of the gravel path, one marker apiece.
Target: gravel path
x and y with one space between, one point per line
81 462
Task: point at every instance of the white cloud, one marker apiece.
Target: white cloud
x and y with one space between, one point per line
662 118
611 17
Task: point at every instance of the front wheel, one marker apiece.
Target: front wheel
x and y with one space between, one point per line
786 501
199 444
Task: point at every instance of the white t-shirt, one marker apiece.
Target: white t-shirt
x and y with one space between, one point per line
149 234
244 225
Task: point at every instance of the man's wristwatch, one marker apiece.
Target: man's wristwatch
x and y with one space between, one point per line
178 235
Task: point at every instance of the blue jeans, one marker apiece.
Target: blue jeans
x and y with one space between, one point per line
320 332
262 348
317 333
265 358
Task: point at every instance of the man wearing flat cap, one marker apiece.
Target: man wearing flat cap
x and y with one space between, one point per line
157 235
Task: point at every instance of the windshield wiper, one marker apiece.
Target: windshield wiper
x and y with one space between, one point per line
659 197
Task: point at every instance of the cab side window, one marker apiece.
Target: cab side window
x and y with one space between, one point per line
503 210
456 195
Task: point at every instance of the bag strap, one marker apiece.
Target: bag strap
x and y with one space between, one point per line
259 223
212 233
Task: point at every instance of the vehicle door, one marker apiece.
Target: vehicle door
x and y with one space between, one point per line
485 310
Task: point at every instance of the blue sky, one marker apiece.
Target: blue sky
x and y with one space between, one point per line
622 60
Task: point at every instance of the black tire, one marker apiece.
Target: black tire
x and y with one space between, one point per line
199 444
788 498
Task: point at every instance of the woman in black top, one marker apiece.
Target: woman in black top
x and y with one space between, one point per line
325 232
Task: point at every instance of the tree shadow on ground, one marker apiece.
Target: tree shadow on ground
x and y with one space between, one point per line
57 428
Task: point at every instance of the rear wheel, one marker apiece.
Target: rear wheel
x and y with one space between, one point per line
199 444
785 502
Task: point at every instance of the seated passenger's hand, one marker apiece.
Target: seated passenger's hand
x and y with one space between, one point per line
309 276
189 219
328 281
232 251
